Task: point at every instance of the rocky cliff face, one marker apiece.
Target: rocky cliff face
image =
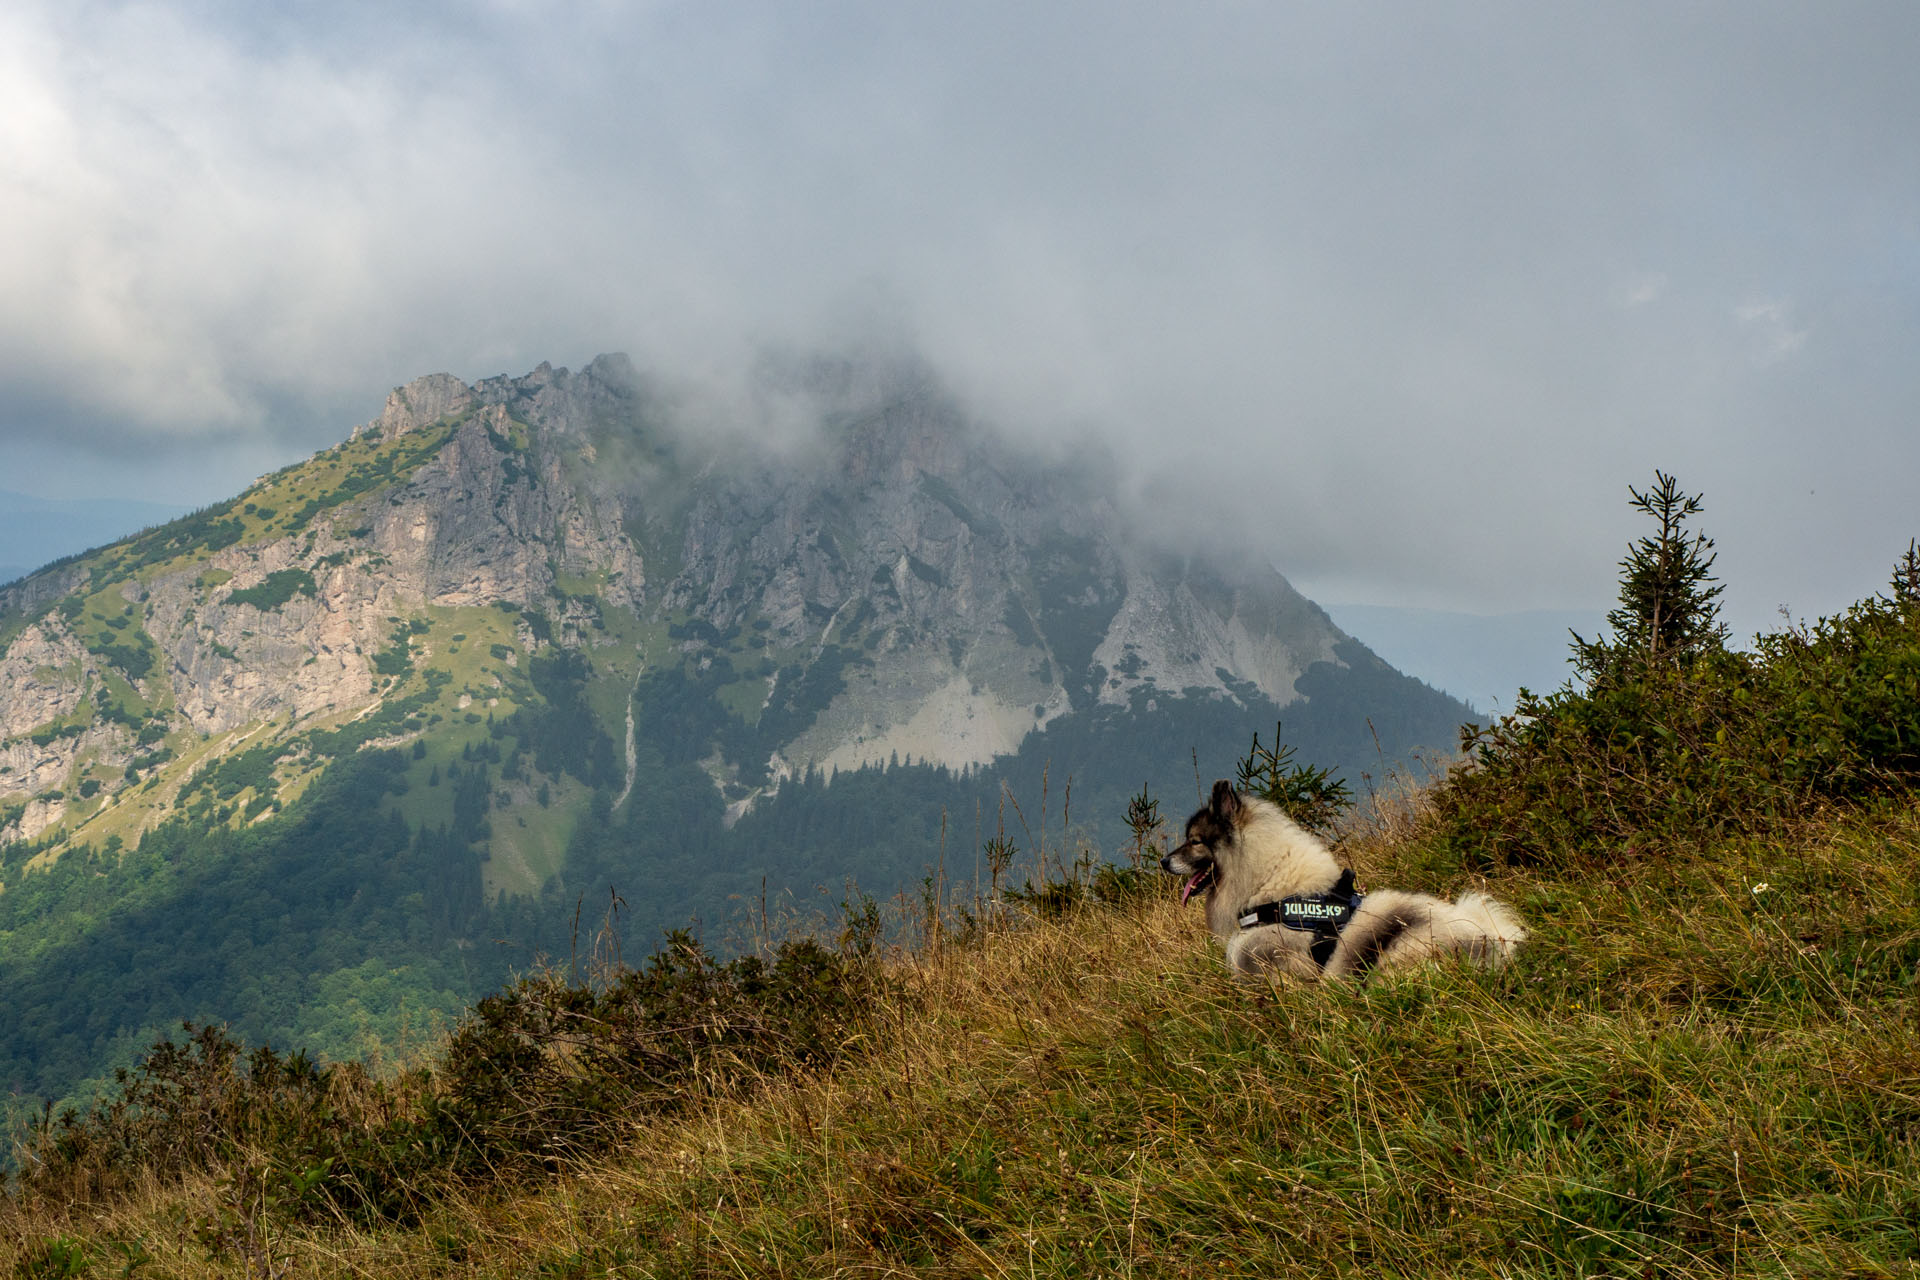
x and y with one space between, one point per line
987 594
906 585
347 750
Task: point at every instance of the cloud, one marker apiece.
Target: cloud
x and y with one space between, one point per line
1408 295
1770 325
1640 289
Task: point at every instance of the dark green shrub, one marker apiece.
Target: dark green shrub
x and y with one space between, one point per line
135 657
1728 742
547 1069
275 589
208 1101
397 658
54 1258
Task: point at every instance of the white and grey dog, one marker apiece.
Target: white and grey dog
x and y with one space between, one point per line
1278 901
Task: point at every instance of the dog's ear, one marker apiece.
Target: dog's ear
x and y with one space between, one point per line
1226 801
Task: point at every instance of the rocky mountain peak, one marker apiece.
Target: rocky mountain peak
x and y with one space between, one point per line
420 403
538 637
912 585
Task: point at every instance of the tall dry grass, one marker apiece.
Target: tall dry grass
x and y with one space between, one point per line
1704 1065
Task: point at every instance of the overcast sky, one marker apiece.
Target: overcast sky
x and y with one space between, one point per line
1412 291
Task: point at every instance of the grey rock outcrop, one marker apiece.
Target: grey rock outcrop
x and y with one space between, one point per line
963 593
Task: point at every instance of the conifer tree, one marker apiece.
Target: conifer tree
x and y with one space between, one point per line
1906 576
1669 611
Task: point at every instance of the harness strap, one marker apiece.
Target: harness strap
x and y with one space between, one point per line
1322 914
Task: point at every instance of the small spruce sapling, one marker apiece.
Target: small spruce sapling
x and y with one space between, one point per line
1312 797
1669 611
1906 576
1139 880
1143 819
999 850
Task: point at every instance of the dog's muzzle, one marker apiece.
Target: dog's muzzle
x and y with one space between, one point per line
1200 880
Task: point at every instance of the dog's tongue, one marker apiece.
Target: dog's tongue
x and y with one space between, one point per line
1193 885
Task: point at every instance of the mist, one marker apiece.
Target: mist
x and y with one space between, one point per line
1402 297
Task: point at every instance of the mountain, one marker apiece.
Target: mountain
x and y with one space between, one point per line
345 750
1483 659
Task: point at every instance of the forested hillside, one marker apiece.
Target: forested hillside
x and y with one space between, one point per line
330 760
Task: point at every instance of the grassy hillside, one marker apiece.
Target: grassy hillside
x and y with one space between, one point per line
1706 1063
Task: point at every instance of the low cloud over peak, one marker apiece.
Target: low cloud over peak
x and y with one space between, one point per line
1406 296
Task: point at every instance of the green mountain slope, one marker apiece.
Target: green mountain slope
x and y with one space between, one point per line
331 759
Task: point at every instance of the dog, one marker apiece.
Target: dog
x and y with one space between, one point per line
1279 901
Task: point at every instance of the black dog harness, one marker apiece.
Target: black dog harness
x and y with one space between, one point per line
1322 914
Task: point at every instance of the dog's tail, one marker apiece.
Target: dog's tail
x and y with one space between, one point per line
1480 927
